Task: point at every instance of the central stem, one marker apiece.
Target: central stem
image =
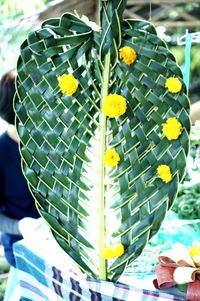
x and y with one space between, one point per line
102 231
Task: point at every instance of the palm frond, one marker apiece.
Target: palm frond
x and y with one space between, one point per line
64 138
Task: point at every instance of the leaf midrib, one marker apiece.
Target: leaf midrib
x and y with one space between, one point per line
104 93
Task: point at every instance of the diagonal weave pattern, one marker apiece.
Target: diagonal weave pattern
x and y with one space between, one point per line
62 137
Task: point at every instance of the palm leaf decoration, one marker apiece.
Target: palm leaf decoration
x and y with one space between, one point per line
103 120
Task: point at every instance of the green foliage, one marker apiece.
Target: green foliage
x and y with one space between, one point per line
4 269
187 204
195 134
11 35
18 18
64 138
179 53
10 8
4 266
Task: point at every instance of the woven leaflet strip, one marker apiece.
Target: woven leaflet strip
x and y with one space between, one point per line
62 136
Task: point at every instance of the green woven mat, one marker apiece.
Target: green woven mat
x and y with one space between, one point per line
93 208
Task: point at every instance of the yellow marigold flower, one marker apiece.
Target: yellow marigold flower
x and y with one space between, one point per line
113 251
172 128
173 84
119 250
128 55
108 253
195 255
111 158
68 84
114 105
164 173
195 251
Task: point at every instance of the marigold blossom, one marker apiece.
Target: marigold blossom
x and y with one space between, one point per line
114 105
68 84
195 255
119 250
172 129
164 173
194 250
128 55
113 251
173 85
111 158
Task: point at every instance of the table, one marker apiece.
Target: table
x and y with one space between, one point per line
45 272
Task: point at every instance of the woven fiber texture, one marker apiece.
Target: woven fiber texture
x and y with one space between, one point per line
102 215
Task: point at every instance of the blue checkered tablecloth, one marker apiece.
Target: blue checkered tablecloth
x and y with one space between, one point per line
45 275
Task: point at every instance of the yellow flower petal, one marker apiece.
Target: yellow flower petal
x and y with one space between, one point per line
173 85
114 105
113 251
108 253
111 158
195 251
164 173
68 84
128 55
195 254
172 129
119 250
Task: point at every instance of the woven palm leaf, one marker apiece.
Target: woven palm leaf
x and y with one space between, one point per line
88 205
